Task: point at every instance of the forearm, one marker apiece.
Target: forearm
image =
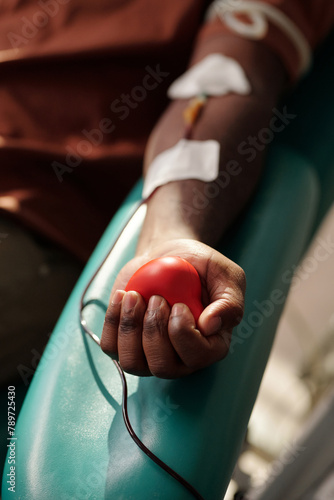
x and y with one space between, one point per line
163 338
194 209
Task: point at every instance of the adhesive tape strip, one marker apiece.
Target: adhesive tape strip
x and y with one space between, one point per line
186 160
215 75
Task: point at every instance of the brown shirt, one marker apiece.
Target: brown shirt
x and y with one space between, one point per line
82 85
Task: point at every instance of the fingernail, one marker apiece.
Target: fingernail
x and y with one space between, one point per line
117 297
154 303
129 301
177 310
213 325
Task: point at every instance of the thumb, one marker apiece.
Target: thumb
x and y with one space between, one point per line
222 315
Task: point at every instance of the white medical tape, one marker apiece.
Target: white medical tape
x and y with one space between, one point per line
214 75
186 160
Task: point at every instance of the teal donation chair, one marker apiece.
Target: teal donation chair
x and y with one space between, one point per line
71 439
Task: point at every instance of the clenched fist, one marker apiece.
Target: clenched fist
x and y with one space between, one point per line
155 339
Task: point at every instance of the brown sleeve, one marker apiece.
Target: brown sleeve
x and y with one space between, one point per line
314 18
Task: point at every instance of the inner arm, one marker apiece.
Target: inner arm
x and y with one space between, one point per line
203 211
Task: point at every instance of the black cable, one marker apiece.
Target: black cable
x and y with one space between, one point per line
141 445
128 425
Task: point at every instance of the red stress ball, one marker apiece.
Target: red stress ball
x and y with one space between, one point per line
173 278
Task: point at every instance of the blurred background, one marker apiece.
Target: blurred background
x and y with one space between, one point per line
300 372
